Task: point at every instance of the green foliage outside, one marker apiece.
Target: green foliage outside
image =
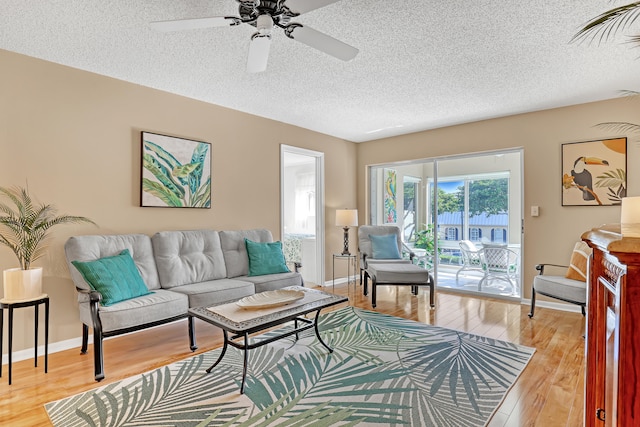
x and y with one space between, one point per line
425 238
490 196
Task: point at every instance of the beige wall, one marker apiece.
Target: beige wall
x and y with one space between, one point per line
74 137
549 237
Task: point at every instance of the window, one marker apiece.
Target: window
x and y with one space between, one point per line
475 234
451 233
499 235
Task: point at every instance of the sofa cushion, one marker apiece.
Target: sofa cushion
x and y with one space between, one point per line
235 250
89 248
159 305
116 277
185 257
398 273
265 258
272 282
205 294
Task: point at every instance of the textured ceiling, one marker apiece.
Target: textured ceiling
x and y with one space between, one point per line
423 64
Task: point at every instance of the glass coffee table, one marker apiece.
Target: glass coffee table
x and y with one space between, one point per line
242 322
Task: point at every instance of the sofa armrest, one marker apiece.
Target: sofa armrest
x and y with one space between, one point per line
94 296
94 301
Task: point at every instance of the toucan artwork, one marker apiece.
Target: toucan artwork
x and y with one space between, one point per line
582 177
594 172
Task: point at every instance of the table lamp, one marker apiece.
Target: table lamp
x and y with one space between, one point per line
630 217
346 218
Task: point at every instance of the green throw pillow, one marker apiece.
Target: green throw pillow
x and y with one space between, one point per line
116 277
384 246
265 258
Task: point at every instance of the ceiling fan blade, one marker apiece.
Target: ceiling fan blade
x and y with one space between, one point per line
258 53
321 41
194 24
304 6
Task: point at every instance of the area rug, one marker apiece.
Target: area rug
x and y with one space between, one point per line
384 371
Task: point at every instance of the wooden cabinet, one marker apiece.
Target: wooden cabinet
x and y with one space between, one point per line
612 383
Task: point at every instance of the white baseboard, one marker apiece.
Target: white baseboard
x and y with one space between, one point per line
53 348
339 281
64 345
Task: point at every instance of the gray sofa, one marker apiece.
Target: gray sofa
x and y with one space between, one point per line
183 269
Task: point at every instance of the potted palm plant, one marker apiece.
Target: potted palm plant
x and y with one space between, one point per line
24 228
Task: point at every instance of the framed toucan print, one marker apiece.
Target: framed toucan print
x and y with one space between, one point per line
594 173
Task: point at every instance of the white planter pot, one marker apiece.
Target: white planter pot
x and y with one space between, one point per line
22 284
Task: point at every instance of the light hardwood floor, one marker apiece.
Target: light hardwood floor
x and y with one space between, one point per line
548 393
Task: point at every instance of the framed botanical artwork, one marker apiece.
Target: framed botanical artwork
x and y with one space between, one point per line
594 173
176 172
390 212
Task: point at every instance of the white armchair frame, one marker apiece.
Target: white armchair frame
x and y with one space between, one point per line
494 262
499 263
471 258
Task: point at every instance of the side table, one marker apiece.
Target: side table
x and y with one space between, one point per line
351 263
11 305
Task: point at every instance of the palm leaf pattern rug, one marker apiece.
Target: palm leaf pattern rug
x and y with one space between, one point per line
384 371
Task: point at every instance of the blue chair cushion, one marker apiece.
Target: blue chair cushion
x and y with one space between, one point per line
384 246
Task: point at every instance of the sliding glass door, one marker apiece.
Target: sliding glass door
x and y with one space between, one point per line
463 201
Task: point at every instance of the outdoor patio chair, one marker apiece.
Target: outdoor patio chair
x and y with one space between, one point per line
499 263
471 258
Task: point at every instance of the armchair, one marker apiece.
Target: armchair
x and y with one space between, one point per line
471 258
499 262
366 250
551 284
569 287
493 261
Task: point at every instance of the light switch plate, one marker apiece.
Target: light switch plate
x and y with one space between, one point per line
535 211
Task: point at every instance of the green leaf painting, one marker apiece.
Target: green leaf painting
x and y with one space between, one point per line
176 172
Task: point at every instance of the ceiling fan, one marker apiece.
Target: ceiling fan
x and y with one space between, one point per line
264 15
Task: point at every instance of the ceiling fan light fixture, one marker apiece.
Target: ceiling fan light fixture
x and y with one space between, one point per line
264 24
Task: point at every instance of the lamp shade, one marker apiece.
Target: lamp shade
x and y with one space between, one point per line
630 217
346 217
